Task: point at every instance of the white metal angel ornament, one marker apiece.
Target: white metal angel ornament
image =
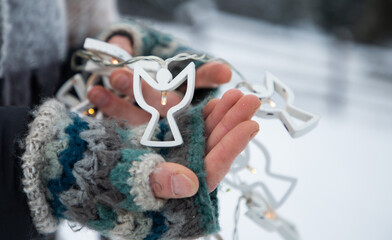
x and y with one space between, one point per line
286 115
164 82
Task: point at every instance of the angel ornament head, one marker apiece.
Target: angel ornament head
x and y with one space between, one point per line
164 82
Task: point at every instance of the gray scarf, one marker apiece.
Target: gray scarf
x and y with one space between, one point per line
33 42
33 37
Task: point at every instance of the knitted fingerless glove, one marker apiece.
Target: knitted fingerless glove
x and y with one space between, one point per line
96 173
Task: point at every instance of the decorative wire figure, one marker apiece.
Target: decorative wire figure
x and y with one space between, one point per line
242 163
101 54
164 83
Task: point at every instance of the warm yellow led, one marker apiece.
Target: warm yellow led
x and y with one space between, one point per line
252 170
91 111
115 61
164 97
272 103
270 215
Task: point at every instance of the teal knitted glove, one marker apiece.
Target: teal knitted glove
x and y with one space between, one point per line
97 174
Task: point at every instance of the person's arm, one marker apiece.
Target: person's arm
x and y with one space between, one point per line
96 173
15 220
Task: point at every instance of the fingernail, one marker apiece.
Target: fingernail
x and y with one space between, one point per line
99 98
254 134
183 186
257 108
121 82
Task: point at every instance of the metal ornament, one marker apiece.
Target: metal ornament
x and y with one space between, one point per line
265 216
261 210
164 83
242 163
273 85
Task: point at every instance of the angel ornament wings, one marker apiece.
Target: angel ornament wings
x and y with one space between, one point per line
164 82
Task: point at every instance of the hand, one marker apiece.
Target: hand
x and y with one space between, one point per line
228 129
208 75
228 125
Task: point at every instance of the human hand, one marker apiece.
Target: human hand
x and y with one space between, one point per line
209 75
227 121
228 129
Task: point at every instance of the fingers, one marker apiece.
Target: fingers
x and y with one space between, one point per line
209 75
172 180
123 42
227 101
229 130
242 110
114 106
122 81
218 161
212 74
209 107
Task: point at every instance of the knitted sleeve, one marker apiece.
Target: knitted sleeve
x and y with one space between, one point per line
96 173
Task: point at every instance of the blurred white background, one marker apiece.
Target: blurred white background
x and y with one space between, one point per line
343 166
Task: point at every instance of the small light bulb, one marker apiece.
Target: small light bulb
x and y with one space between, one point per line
252 170
164 97
91 111
272 103
115 61
270 215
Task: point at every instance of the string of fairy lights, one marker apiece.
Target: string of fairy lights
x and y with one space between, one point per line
261 205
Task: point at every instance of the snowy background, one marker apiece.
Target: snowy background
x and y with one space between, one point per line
343 166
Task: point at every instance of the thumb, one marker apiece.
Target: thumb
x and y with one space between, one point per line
172 180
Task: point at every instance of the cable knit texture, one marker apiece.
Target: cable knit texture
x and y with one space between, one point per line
96 173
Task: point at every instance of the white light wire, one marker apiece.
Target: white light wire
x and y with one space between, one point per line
240 185
237 218
95 57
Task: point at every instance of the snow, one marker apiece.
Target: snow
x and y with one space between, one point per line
343 166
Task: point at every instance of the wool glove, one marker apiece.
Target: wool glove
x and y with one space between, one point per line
96 173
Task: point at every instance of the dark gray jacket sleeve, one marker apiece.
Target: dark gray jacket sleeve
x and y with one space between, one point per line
15 220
